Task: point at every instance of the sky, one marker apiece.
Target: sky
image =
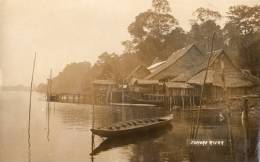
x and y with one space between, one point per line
66 31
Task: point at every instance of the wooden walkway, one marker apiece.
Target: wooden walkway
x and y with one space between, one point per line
69 98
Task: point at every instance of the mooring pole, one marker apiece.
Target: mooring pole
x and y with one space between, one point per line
195 130
29 116
244 119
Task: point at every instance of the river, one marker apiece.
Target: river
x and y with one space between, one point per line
61 132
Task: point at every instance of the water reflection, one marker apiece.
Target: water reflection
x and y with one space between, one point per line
61 132
48 120
92 147
165 145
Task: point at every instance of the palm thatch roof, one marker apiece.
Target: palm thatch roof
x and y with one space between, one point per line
232 74
199 78
156 65
139 72
234 80
177 63
185 76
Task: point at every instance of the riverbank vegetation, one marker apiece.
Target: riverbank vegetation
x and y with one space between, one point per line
156 33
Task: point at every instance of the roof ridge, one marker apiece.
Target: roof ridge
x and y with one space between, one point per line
169 62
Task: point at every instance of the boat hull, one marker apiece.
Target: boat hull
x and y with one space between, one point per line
127 132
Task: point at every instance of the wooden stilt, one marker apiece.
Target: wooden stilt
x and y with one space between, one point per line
190 102
183 103
170 103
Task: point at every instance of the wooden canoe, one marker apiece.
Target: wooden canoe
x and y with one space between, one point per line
111 143
133 126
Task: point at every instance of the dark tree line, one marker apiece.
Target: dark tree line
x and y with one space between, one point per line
155 33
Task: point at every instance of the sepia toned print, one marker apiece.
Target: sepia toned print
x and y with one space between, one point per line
130 81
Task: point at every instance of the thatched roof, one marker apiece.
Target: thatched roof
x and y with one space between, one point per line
139 72
185 76
232 80
156 65
199 78
104 82
174 65
234 77
178 85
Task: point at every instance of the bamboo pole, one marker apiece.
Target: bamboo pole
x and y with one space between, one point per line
48 107
29 116
93 106
195 130
93 121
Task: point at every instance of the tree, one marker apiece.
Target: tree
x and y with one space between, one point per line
204 14
72 79
172 42
152 24
242 32
109 65
203 27
245 18
161 6
129 47
150 29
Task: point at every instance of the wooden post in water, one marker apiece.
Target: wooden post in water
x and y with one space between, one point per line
170 103
29 116
228 111
196 127
244 118
111 97
190 101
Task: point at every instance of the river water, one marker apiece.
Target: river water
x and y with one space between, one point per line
61 132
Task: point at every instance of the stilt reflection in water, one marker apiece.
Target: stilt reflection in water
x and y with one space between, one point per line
92 146
48 110
29 147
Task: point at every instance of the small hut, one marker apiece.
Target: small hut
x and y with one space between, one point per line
222 73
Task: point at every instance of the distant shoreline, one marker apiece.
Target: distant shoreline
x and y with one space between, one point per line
14 88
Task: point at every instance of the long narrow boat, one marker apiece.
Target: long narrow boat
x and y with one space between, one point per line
133 126
111 143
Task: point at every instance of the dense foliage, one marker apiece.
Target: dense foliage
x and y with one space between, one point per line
155 33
